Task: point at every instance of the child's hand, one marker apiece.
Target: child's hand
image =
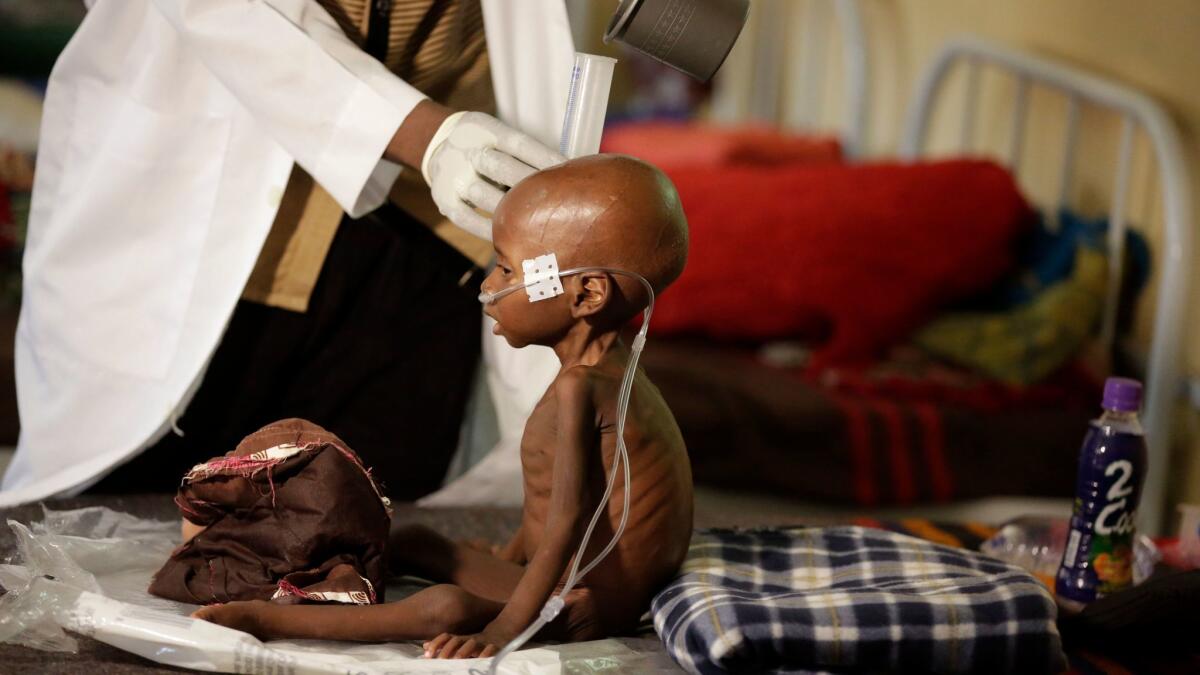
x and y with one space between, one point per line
481 645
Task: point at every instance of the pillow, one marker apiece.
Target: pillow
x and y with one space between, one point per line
669 145
852 600
851 256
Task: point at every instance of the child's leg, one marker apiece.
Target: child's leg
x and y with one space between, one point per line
482 584
421 616
415 549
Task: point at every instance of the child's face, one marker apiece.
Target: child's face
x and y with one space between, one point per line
518 320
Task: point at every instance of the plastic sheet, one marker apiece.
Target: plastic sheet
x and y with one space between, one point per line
1189 535
1036 544
86 571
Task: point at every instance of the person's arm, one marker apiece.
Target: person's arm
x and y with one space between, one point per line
513 551
564 525
331 106
408 144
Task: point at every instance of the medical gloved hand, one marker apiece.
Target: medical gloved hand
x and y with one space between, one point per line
469 146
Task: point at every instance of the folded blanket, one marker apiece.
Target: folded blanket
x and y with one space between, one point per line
290 515
1041 316
802 600
1025 345
1046 255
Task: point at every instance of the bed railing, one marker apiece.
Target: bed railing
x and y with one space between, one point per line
780 70
1163 376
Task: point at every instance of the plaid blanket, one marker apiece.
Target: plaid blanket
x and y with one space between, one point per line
852 598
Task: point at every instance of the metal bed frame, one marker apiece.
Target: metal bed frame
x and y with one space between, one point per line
1164 379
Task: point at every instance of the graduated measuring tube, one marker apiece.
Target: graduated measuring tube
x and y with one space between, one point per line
587 102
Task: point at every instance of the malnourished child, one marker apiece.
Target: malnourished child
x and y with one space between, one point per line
604 210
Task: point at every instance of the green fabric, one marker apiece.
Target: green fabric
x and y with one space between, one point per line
1025 344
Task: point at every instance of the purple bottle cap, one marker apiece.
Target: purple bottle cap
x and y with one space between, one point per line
1122 394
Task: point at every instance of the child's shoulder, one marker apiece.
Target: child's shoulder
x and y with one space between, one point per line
576 382
583 383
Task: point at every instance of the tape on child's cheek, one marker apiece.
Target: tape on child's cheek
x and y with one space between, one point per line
541 277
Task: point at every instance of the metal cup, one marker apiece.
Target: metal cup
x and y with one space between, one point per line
693 36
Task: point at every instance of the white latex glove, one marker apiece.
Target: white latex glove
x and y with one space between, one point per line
468 147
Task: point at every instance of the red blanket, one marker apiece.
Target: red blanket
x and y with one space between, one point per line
903 431
852 256
668 145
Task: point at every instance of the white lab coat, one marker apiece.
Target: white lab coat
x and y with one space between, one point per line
169 132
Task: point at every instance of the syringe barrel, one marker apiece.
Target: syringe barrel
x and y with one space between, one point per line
587 103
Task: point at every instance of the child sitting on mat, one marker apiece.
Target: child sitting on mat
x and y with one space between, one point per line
604 210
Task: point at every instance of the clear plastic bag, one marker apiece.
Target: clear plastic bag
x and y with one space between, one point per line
92 550
86 571
1036 545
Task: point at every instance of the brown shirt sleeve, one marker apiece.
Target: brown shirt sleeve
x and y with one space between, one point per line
439 47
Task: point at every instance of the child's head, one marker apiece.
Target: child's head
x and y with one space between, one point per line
600 210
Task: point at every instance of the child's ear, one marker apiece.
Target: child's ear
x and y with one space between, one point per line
591 294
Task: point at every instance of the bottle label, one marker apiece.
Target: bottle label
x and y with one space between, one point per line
1112 544
1073 545
1098 559
1116 518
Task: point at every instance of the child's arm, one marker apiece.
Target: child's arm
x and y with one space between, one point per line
564 519
564 524
514 550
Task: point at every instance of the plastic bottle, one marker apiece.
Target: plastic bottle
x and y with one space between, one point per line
1036 543
1189 535
1098 559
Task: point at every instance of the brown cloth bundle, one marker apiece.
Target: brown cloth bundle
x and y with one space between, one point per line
290 515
